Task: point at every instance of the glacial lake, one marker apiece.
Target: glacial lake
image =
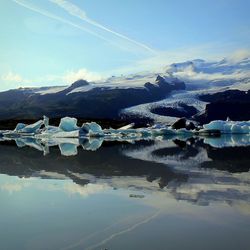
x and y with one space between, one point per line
171 193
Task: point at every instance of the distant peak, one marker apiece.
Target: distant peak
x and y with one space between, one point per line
159 79
79 83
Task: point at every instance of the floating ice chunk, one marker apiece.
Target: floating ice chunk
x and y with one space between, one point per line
62 134
20 126
127 126
55 132
162 131
245 129
236 129
52 129
92 129
215 125
145 132
46 121
32 128
68 124
229 127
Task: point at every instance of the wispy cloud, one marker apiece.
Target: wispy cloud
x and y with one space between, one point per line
239 55
79 13
208 52
12 77
55 17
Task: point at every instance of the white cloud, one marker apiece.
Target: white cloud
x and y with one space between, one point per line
209 52
157 63
12 77
239 55
72 76
13 80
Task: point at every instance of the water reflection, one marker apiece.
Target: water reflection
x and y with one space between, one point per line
69 146
136 185
190 170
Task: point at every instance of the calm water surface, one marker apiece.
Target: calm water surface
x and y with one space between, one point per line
165 194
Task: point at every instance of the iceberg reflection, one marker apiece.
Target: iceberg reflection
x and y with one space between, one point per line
69 146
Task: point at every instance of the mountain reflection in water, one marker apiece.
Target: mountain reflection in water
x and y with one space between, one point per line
195 171
177 165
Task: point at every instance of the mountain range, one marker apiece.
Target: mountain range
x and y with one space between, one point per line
198 90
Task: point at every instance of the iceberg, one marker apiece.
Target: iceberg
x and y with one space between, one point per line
68 124
229 127
131 125
20 126
32 128
91 129
68 129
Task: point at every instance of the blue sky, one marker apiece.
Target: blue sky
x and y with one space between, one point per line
53 42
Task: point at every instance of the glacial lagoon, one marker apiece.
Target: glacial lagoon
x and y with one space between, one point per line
166 193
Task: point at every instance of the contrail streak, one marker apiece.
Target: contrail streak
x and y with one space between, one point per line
77 12
50 15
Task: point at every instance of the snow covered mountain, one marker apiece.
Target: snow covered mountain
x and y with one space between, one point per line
83 99
198 90
228 80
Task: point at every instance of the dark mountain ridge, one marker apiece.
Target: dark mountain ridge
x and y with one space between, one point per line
95 103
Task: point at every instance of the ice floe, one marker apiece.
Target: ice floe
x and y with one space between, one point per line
68 128
229 127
